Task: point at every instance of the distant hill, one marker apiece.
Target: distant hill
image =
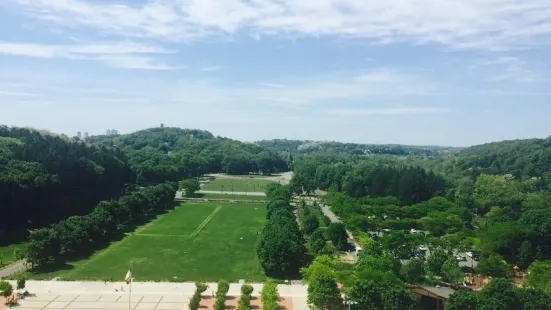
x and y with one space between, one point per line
160 154
530 157
339 148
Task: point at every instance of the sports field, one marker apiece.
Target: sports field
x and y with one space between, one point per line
196 241
243 184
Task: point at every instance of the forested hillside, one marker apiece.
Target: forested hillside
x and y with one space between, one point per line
339 148
45 178
172 154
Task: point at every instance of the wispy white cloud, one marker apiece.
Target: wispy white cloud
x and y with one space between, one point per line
386 111
468 24
512 69
272 85
211 68
118 55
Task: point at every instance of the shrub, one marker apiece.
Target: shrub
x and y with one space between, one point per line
5 289
21 283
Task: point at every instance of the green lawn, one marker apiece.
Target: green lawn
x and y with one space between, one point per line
238 185
7 254
230 196
196 241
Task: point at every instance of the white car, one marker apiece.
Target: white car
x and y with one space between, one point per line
469 254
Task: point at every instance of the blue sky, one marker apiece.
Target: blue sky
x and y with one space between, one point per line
441 72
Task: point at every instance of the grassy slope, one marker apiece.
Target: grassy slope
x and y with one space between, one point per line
7 253
239 185
172 248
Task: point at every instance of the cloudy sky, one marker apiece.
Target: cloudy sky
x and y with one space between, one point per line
442 72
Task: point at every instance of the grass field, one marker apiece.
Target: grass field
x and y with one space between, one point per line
233 197
7 253
198 241
238 185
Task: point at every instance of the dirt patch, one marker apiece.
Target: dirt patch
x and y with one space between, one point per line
207 303
3 303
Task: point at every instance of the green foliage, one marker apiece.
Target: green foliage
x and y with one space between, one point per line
269 295
245 299
499 294
463 300
336 232
436 260
493 265
190 187
195 300
321 265
45 178
21 282
317 243
538 276
377 290
281 250
323 292
440 223
451 271
383 263
223 288
5 289
414 271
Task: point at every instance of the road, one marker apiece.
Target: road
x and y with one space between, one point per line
179 193
13 268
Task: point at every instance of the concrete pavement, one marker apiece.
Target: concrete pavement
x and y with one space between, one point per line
145 295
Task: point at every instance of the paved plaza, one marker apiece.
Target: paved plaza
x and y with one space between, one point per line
145 295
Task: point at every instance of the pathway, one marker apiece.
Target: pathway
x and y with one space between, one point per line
13 268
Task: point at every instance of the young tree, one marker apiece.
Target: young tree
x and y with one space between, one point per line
436 260
323 292
195 300
245 299
310 224
269 295
223 288
21 282
414 271
336 232
451 271
190 187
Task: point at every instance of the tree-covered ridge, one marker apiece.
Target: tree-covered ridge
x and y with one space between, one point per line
339 148
161 154
44 177
530 157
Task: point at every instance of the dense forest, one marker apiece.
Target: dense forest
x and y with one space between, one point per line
45 177
172 154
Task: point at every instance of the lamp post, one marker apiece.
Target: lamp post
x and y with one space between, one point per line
350 303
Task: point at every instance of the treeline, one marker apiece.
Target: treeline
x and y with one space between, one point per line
172 154
409 184
46 177
81 235
339 148
518 157
281 250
